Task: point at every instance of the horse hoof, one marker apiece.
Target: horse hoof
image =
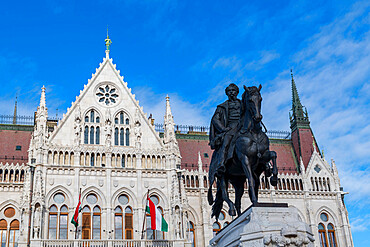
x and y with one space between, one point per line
273 180
232 212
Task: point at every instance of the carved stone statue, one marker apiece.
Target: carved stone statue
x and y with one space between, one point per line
37 223
77 126
177 223
241 149
108 129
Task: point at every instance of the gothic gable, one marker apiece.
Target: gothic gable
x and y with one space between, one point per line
105 111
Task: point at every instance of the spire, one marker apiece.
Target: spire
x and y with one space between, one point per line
42 110
42 99
108 42
297 107
169 125
200 164
299 115
15 111
168 106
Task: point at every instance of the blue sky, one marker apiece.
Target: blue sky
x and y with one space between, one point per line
191 50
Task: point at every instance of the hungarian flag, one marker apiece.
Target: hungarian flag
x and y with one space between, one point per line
74 220
156 218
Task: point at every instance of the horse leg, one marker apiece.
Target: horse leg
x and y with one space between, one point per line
217 204
238 185
257 175
248 173
274 179
225 196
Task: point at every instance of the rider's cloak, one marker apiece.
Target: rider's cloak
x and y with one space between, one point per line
216 138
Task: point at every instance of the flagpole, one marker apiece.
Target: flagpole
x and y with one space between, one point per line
142 231
79 196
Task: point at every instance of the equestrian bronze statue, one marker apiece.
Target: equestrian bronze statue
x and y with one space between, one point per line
241 149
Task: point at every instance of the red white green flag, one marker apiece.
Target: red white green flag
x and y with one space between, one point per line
156 219
74 220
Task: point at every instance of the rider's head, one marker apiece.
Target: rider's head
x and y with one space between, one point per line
232 91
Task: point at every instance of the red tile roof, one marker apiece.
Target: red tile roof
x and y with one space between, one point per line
9 140
189 149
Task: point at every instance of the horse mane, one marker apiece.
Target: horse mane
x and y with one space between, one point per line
249 91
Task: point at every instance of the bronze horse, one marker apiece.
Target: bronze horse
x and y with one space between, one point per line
251 157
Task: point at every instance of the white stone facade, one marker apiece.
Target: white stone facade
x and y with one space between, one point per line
64 163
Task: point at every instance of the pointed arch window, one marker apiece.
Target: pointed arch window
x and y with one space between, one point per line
127 121
116 136
86 119
53 221
92 160
86 222
98 119
86 135
91 135
129 226
127 137
97 137
96 224
322 236
191 234
121 136
14 233
123 161
121 118
118 223
63 222
3 229
331 235
92 116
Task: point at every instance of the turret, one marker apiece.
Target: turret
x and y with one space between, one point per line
303 140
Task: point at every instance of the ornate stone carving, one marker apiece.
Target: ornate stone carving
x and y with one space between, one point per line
77 126
108 128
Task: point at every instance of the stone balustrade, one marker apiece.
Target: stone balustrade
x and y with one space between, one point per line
108 243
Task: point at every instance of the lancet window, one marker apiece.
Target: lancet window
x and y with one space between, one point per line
58 218
122 129
91 218
92 127
9 228
327 236
191 233
123 220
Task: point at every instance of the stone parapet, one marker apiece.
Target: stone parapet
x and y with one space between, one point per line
268 224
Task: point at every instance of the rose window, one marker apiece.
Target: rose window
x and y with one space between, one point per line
107 95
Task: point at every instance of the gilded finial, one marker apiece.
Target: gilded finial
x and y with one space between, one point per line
108 42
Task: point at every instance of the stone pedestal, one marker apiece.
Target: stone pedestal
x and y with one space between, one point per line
268 224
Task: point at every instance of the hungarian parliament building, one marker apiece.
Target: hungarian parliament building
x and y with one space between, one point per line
107 149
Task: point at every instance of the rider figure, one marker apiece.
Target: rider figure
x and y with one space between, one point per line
224 125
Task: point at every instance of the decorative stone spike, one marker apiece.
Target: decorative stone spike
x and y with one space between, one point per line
118 71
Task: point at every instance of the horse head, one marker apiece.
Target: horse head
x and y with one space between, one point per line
251 99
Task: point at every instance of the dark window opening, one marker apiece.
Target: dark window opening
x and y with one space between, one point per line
18 148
